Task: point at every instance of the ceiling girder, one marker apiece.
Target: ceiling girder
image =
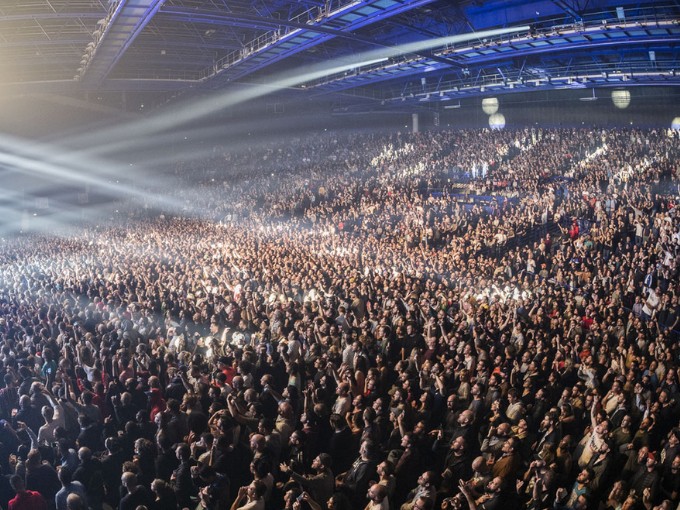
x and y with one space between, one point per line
567 8
345 20
121 28
519 49
194 44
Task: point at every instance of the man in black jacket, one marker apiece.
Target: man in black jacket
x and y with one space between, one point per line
340 446
136 494
356 480
181 477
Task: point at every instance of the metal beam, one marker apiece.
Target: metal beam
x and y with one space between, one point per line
116 35
51 15
562 5
184 15
275 46
258 22
254 21
33 43
410 68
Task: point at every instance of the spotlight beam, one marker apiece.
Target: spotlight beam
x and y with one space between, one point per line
195 110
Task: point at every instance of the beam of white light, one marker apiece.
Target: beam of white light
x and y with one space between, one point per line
59 173
52 162
73 167
217 135
76 174
194 110
79 174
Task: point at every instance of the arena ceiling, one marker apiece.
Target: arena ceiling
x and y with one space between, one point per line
348 52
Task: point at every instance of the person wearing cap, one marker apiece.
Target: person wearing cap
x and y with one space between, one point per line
646 477
321 484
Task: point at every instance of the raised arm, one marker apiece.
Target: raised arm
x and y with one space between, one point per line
34 439
465 490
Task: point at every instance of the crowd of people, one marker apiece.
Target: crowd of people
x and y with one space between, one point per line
343 322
